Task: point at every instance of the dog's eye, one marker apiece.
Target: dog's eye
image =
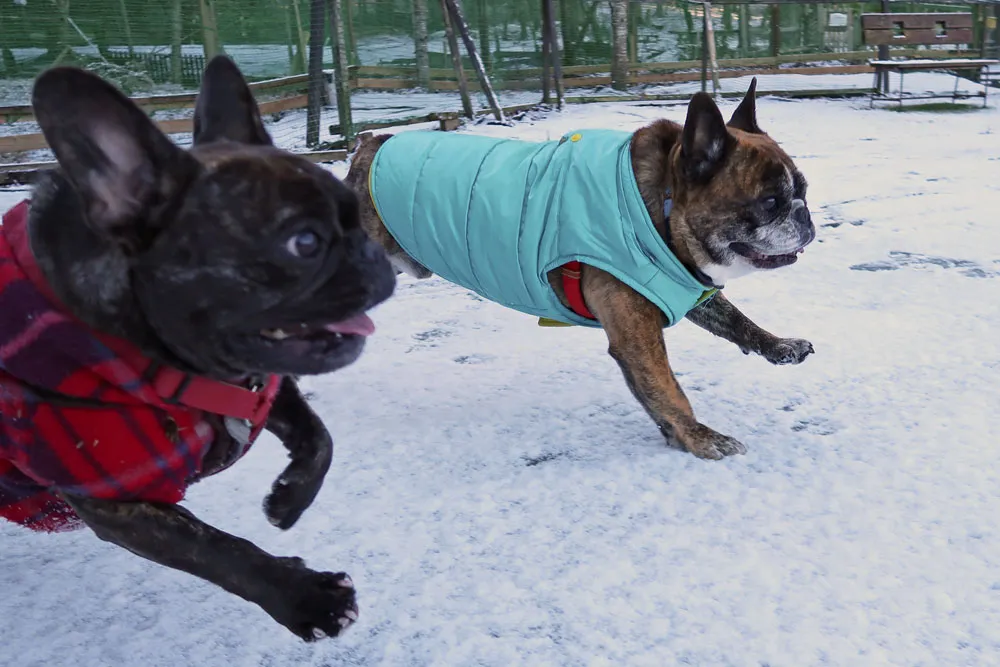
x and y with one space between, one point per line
769 203
303 244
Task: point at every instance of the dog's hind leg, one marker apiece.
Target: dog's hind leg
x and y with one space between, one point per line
310 604
403 263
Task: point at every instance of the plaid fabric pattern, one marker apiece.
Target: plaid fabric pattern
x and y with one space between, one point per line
133 447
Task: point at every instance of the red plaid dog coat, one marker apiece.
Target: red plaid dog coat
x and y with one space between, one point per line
86 413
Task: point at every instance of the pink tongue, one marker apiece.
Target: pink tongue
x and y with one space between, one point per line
360 325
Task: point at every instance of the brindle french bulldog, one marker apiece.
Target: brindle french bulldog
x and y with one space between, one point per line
736 203
220 273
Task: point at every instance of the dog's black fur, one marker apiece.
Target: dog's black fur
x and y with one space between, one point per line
191 255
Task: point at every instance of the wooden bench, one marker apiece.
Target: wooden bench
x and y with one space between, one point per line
926 29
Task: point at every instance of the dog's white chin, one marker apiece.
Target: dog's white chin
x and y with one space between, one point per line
721 275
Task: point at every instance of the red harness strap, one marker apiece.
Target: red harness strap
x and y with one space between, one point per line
573 288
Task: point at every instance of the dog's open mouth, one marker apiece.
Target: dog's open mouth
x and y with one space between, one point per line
765 261
359 326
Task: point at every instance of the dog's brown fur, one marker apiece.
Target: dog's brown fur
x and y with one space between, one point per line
704 209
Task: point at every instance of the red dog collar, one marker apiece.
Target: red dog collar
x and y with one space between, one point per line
174 386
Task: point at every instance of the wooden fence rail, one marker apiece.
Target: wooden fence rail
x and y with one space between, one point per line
20 143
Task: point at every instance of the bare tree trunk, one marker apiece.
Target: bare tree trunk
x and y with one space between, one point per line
347 12
300 39
293 64
470 46
342 82
317 35
556 60
710 46
704 56
210 29
633 32
420 43
619 44
744 19
484 35
590 23
775 30
554 54
883 54
546 47
128 28
568 26
456 59
176 35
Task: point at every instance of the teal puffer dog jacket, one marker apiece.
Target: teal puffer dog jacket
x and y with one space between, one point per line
496 215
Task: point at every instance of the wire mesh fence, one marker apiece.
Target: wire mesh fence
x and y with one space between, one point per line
163 45
398 45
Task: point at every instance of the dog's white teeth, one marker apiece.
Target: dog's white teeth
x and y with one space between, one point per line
275 334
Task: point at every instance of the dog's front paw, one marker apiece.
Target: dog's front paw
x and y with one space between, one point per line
314 605
788 351
705 443
293 492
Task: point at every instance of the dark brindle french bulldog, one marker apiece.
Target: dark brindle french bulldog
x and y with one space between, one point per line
629 232
155 306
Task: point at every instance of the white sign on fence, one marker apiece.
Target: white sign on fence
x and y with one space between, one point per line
837 20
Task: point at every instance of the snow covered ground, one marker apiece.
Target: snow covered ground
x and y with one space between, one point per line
500 499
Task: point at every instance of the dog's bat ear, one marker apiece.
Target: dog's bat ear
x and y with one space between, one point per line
121 165
705 141
745 116
226 109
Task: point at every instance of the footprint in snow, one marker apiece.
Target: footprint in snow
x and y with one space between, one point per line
899 259
474 359
531 461
815 426
429 338
791 405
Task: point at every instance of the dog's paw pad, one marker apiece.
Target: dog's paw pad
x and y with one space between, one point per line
318 605
729 446
707 444
789 351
